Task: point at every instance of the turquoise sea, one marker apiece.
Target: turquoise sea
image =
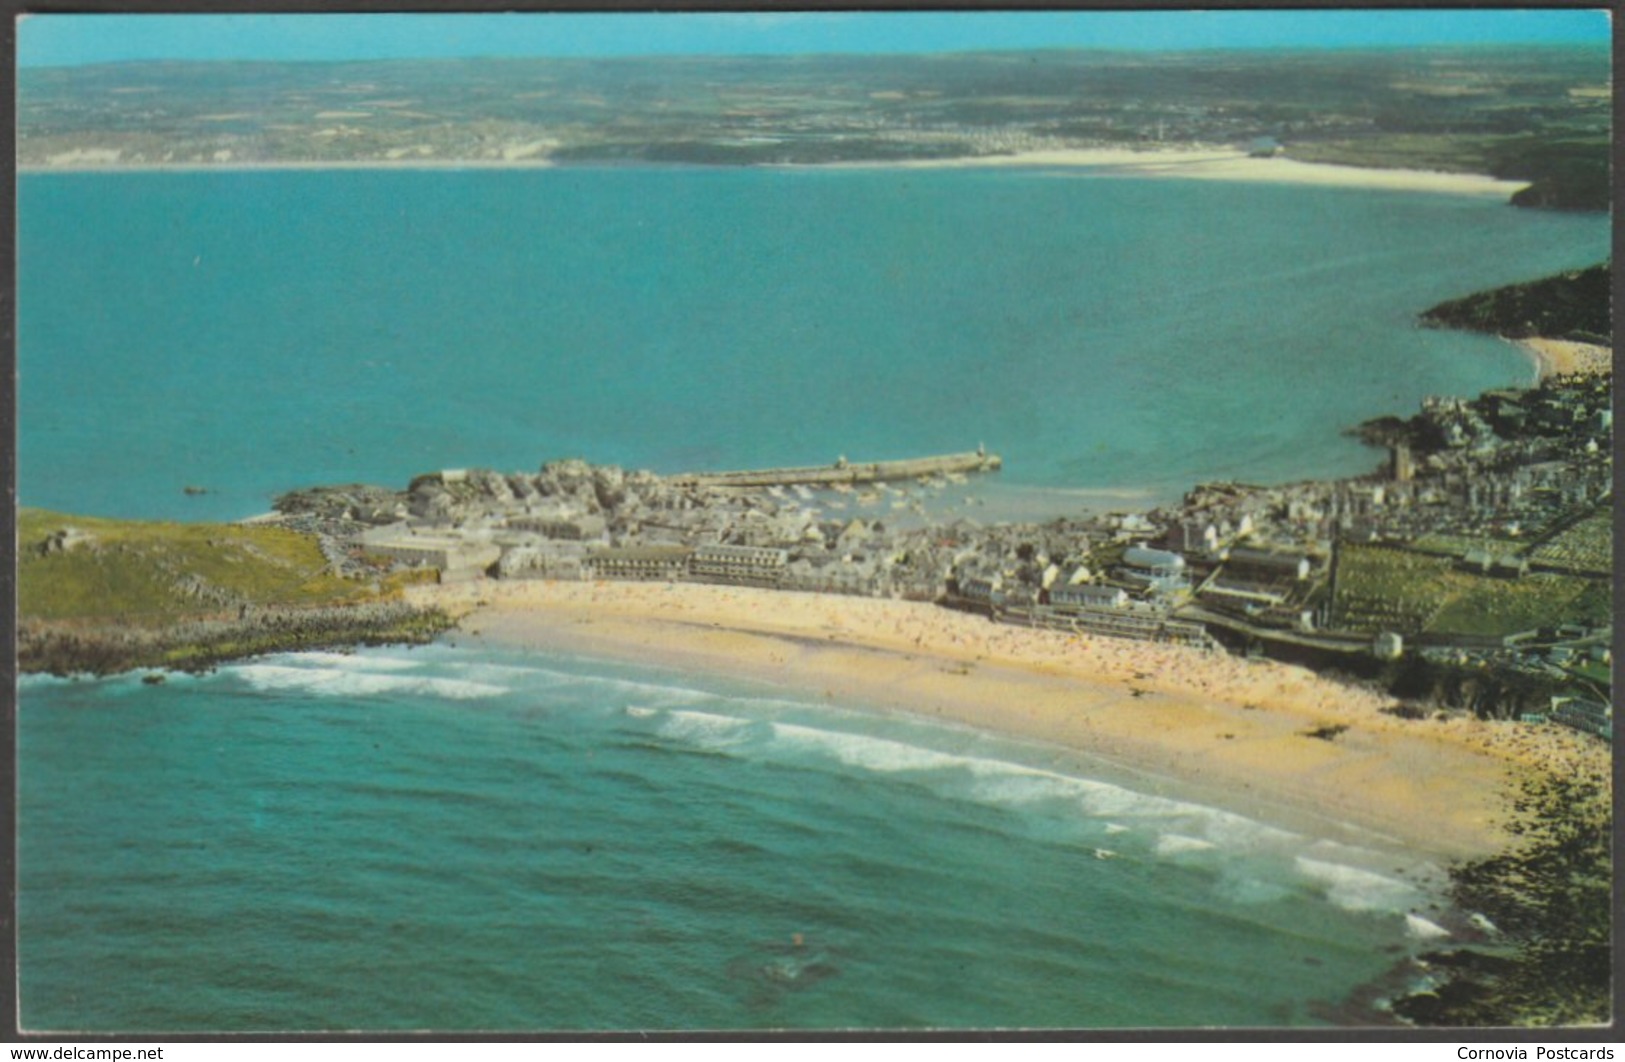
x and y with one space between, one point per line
251 333
466 837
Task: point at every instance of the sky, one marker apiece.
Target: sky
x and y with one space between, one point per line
69 40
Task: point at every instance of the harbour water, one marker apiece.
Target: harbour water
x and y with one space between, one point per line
251 333
473 838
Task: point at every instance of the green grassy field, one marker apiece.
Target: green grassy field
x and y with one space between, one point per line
1382 588
141 572
121 594
1407 151
1587 545
1460 545
1481 605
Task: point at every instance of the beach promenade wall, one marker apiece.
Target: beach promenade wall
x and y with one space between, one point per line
844 472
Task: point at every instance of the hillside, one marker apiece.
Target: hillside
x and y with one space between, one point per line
1574 305
104 595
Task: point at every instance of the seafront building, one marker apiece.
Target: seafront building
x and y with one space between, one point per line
643 563
455 557
1158 571
745 565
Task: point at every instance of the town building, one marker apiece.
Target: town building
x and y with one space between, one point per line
744 565
1158 570
453 556
573 528
645 563
1086 595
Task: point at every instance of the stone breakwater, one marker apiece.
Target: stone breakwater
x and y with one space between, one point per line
843 471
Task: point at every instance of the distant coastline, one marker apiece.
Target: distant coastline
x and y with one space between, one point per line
1191 162
1217 164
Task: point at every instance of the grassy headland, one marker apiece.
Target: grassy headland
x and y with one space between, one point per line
1573 305
1564 172
102 595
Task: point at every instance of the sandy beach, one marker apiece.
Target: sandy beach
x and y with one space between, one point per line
1220 730
1562 357
1204 163
1225 164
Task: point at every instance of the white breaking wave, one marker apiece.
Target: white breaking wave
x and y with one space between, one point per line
1249 890
990 780
1180 828
874 754
1185 826
352 661
341 682
1013 785
646 691
481 668
705 729
1354 889
1175 843
585 689
517 671
1422 929
41 679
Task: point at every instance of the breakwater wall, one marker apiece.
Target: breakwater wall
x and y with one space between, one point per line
846 472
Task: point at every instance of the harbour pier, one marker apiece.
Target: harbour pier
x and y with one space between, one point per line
847 472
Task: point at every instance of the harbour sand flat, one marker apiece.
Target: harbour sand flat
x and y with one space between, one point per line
1226 164
1205 163
1195 725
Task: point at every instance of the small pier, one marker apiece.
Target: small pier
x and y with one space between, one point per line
846 472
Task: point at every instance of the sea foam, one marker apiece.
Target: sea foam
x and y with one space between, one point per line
1255 862
1355 889
870 753
343 682
356 661
1176 843
1422 929
706 729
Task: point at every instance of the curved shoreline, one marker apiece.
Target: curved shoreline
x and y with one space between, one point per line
1202 163
1219 164
1222 731
1563 357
